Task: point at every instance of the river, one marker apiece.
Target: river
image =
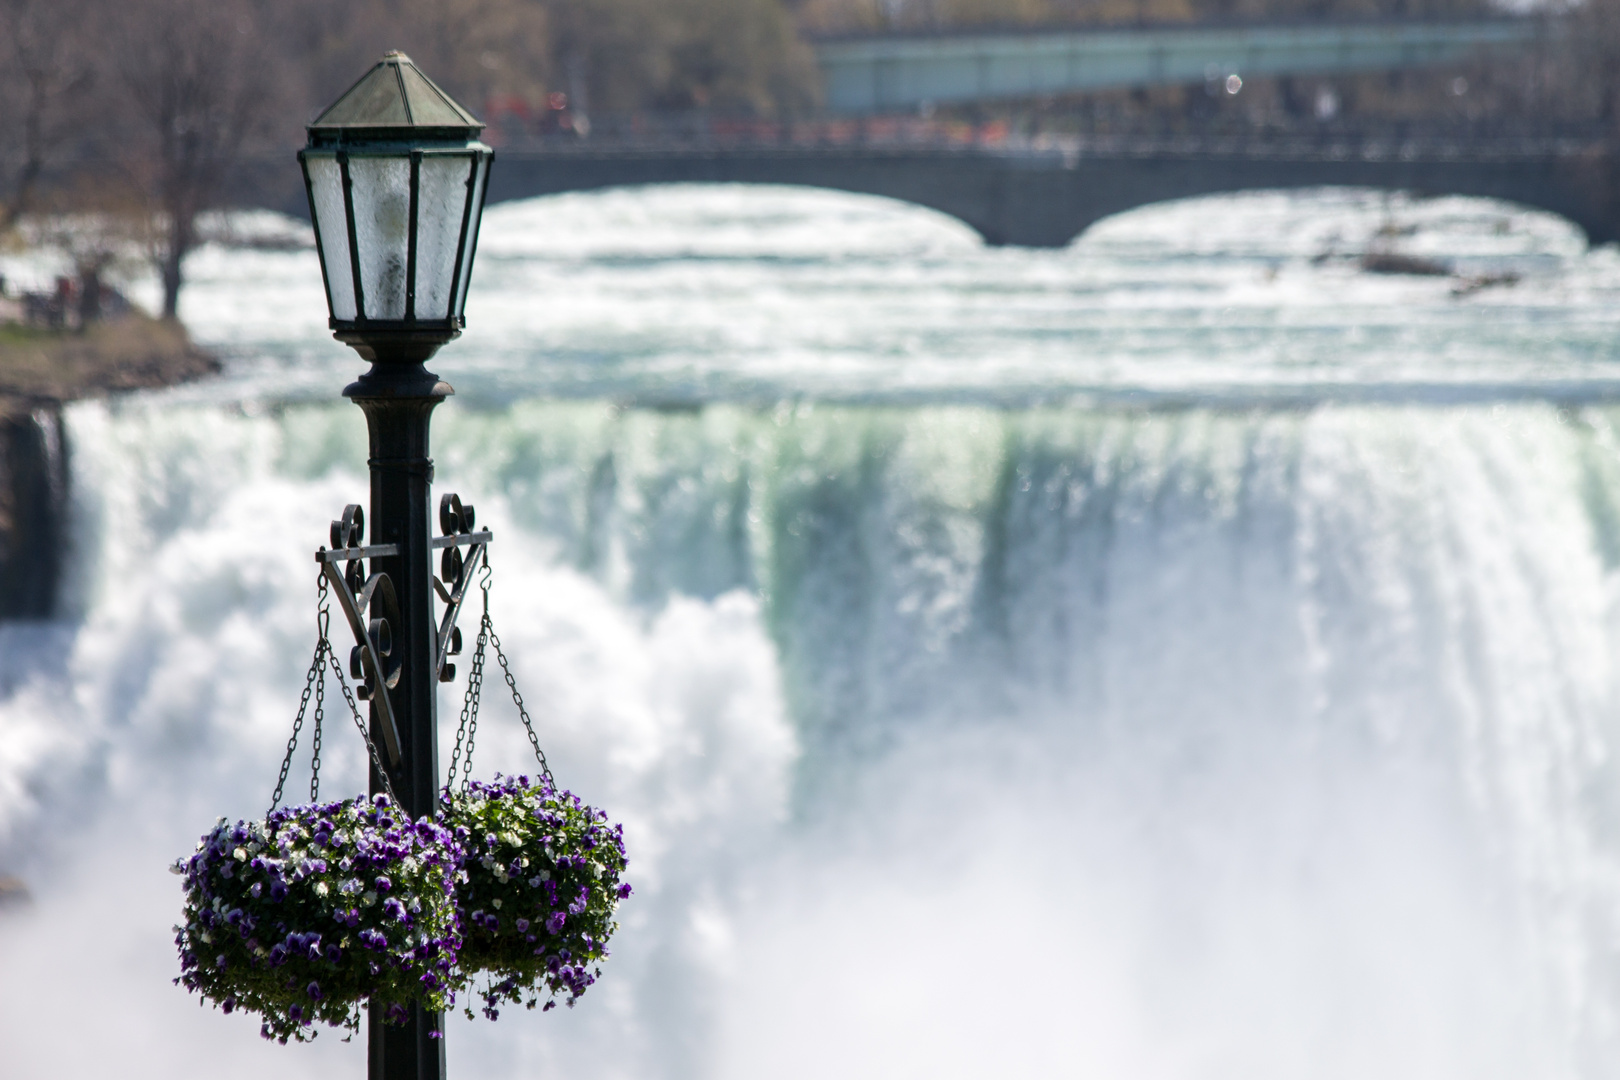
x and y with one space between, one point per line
1184 655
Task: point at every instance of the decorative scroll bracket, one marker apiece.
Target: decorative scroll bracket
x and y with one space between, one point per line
373 659
456 571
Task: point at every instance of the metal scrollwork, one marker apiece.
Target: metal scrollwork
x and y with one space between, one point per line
371 605
456 522
373 662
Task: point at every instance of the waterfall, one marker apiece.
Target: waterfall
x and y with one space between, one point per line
949 740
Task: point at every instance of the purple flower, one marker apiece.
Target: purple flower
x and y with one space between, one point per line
555 923
314 991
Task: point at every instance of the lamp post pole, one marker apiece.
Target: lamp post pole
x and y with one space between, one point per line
396 179
398 398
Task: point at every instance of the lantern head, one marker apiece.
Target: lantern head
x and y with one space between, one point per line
396 179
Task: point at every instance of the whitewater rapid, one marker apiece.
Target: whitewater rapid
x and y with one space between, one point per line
1180 656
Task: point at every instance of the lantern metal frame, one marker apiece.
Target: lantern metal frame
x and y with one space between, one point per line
414 337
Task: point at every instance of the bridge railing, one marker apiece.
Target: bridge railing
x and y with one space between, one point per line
1462 136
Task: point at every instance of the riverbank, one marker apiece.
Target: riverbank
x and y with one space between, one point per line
43 368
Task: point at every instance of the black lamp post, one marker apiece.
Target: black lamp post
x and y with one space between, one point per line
396 179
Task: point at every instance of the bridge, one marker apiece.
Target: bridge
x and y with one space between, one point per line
1045 197
889 73
1045 192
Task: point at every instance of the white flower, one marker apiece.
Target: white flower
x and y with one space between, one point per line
496 903
321 889
368 898
241 854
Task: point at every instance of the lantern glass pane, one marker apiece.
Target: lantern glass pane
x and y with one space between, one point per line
381 190
441 198
472 233
326 187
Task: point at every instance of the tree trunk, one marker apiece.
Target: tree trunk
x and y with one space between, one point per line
180 240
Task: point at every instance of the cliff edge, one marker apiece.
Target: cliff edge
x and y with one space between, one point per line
41 370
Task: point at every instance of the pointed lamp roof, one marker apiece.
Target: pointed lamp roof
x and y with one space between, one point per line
393 101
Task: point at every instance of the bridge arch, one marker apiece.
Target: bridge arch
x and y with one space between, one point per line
1046 200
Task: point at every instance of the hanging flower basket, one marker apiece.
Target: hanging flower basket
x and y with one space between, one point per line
316 909
540 882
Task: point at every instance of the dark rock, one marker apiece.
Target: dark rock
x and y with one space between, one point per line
1389 262
33 511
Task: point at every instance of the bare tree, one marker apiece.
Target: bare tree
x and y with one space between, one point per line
197 90
45 76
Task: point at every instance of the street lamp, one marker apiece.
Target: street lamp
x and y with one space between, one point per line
396 179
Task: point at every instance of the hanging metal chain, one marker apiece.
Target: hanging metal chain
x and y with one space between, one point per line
314 684
488 627
320 713
467 729
359 722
